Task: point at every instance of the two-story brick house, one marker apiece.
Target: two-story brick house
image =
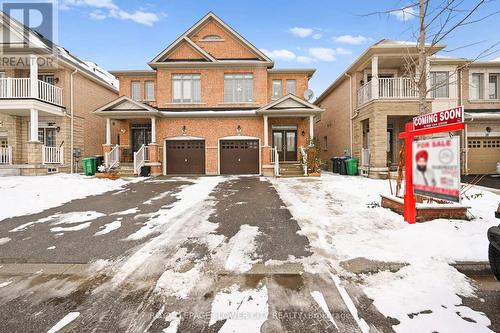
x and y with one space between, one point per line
211 104
368 105
47 99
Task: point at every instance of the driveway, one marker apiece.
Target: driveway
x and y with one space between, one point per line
184 254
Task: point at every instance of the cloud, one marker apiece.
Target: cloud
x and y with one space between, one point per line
301 32
103 9
353 40
342 51
404 14
317 35
283 54
304 59
323 54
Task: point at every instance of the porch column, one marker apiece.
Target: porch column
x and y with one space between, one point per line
108 131
34 76
33 125
153 130
266 132
311 127
375 77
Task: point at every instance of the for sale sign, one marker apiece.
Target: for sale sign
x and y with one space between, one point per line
436 168
439 118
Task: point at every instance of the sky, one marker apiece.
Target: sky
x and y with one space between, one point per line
326 35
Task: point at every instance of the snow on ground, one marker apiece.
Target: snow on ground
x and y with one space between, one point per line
241 247
108 227
243 310
63 322
342 219
320 299
4 240
64 218
22 195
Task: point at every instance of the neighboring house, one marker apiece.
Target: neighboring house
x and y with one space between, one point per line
47 99
212 104
368 105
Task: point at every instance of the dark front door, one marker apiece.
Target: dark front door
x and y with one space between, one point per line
185 157
141 135
286 143
239 157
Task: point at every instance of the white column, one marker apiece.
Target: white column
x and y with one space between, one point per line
108 131
311 127
153 130
34 76
375 77
266 132
34 125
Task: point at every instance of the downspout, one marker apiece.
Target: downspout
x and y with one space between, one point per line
72 122
350 113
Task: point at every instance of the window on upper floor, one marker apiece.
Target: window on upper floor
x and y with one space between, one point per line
494 81
291 87
440 83
238 88
135 90
277 89
477 86
149 90
186 88
47 78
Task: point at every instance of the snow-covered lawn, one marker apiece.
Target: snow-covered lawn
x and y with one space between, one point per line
22 195
342 218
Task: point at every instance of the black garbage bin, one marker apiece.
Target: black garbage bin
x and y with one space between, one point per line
335 167
99 161
333 163
342 166
145 171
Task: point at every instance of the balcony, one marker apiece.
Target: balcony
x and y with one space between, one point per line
388 88
26 88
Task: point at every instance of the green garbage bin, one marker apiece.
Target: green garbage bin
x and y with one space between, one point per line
89 166
352 166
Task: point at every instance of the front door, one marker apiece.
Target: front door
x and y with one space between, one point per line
285 142
141 135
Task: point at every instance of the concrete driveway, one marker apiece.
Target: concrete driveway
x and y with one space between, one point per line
190 255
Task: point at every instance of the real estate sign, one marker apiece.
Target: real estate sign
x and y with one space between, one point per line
439 118
436 168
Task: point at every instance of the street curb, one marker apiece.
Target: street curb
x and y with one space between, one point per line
473 267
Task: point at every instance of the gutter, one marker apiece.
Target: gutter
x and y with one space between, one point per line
350 112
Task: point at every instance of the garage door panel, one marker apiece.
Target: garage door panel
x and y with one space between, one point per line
483 155
239 157
185 157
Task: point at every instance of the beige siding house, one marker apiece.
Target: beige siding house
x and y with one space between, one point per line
47 98
368 105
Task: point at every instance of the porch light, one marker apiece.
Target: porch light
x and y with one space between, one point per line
303 133
58 129
183 130
238 130
488 129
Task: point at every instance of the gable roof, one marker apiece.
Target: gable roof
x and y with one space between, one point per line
125 106
203 20
290 103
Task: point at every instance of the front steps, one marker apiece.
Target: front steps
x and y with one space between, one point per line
126 170
293 169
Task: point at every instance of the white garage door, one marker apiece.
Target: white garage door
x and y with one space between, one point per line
483 156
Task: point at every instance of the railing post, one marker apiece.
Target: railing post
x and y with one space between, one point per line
43 154
61 155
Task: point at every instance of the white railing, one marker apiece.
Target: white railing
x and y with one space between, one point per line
52 155
275 160
112 158
140 158
365 157
20 88
303 159
364 93
6 155
389 88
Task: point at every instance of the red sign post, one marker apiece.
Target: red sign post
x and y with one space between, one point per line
437 122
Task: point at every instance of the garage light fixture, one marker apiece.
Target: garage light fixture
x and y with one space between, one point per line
238 130
184 130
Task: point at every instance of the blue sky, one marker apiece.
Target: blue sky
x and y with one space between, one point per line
326 35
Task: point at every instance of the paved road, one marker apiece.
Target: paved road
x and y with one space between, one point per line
201 244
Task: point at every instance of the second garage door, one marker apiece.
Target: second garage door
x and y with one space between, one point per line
483 155
239 157
185 157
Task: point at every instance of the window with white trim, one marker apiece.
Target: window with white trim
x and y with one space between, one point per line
494 82
135 90
291 87
477 86
238 88
440 83
186 88
277 89
149 90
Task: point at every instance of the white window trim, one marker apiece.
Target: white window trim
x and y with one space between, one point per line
274 98
184 101
295 86
251 78
486 84
449 84
146 98
132 89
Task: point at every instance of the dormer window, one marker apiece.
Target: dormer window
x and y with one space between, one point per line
211 38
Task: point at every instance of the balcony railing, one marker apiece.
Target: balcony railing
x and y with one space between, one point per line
22 88
53 155
389 88
6 155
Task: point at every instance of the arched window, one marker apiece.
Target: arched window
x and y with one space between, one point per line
211 38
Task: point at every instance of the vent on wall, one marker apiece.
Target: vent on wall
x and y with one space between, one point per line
211 38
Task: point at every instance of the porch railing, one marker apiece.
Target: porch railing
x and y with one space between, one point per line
275 160
21 88
140 158
365 93
389 88
365 157
6 155
112 158
53 155
303 159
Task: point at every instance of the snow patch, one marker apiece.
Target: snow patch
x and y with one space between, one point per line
318 297
174 319
5 284
107 228
4 240
158 197
51 248
179 284
127 212
77 227
64 322
60 218
242 246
